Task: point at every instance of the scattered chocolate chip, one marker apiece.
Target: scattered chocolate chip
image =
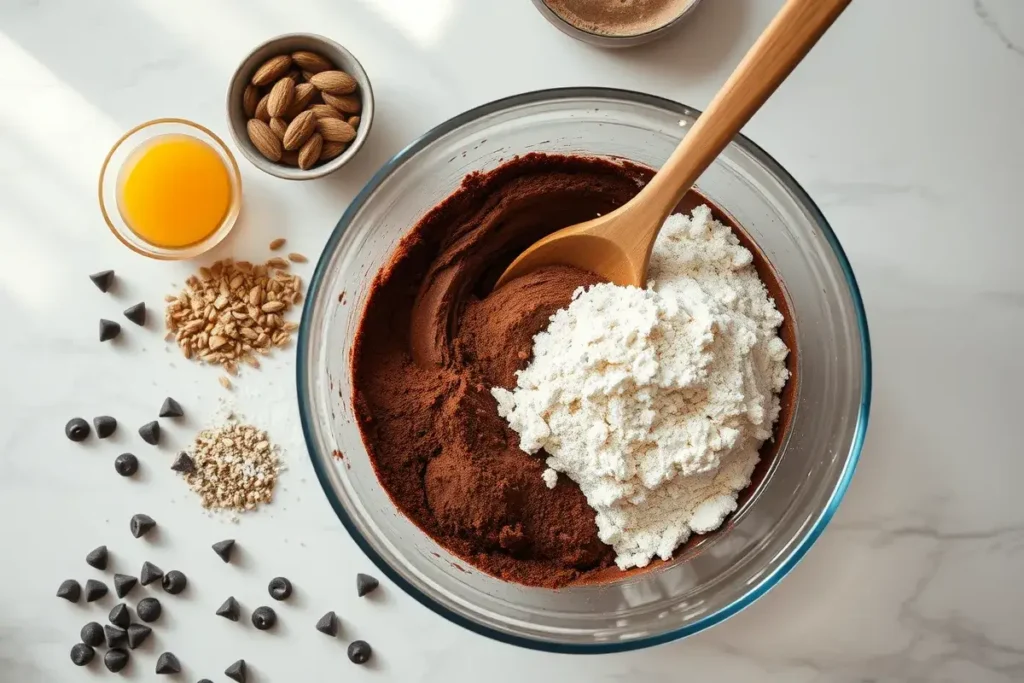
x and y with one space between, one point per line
264 618
115 659
148 609
103 279
92 634
204 680
280 588
359 652
167 663
116 636
105 426
236 671
150 432
224 548
70 590
126 464
365 584
140 526
183 463
150 573
94 590
328 624
82 654
108 329
97 558
137 633
136 313
120 616
76 429
171 408
229 610
123 584
174 582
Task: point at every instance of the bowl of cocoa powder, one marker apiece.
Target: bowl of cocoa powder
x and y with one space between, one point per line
616 23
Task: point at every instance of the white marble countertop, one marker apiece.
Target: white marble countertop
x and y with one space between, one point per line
904 124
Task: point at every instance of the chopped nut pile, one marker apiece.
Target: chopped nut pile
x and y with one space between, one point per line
234 310
235 467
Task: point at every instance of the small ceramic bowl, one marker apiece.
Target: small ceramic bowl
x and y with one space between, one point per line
612 40
286 44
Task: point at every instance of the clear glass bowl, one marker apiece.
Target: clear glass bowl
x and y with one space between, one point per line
772 532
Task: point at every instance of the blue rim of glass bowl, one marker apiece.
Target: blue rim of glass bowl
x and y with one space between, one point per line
762 587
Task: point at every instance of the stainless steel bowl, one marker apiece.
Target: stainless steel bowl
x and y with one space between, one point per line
286 44
606 40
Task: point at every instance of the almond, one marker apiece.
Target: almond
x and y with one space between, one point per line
348 104
311 62
334 82
304 94
290 158
261 109
353 121
326 111
299 130
272 69
310 152
331 150
281 97
296 76
264 140
335 130
250 98
279 126
307 75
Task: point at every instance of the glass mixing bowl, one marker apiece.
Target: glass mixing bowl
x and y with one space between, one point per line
764 540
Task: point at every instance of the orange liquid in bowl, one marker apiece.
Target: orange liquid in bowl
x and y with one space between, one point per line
174 191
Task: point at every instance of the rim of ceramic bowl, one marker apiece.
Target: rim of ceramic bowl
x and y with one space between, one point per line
756 591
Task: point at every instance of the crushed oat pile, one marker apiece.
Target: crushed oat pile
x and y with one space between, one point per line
235 467
232 311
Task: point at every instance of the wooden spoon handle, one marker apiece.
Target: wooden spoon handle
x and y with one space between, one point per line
792 33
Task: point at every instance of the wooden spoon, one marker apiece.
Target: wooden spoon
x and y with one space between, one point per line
617 246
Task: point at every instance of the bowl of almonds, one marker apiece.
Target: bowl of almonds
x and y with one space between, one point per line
300 106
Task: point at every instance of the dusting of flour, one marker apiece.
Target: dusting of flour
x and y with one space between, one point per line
655 401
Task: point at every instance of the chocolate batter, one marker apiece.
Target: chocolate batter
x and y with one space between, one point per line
434 339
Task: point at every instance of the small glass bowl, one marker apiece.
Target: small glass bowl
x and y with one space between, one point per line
122 151
612 40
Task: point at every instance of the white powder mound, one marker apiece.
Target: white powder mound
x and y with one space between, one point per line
655 401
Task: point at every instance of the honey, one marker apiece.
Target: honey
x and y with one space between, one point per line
174 191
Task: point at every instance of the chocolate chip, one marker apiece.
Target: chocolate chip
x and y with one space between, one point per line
365 584
183 463
116 637
150 573
103 279
70 590
136 313
126 464
174 582
171 408
204 680
120 616
280 588
108 329
94 590
359 652
105 426
148 609
140 526
123 584
137 633
150 432
224 548
115 659
82 654
76 429
92 634
167 663
229 610
236 671
97 558
328 624
264 618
